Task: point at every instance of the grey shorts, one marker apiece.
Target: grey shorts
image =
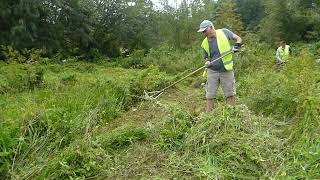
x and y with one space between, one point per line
227 81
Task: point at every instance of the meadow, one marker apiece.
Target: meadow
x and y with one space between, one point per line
69 119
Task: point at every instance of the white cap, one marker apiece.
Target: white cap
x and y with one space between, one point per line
204 25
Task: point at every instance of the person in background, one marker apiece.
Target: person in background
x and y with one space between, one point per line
283 53
216 44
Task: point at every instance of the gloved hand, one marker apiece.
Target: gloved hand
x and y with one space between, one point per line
208 63
236 47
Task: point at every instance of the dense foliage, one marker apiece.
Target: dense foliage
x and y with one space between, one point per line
113 27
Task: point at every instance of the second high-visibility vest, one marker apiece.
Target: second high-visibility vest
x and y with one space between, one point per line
223 46
284 53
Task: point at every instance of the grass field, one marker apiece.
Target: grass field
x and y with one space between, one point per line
78 121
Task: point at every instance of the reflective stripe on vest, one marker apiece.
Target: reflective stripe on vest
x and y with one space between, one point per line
284 54
223 46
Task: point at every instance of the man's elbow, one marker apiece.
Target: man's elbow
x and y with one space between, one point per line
238 39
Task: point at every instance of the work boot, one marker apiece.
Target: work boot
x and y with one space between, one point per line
231 100
210 105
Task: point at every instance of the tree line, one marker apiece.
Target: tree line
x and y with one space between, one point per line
112 27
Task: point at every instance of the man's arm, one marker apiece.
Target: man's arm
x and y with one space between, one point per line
232 36
278 56
237 38
205 55
206 58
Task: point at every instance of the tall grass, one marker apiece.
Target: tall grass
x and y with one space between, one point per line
67 107
290 95
76 120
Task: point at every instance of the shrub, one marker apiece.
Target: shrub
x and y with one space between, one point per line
17 78
94 55
172 61
13 55
69 79
24 56
135 60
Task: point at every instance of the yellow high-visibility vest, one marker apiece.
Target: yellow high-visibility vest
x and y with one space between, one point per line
223 46
284 53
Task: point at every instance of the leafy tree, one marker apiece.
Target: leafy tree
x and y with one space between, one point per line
227 17
209 7
108 26
140 28
167 20
50 24
272 27
182 27
295 20
20 21
75 19
305 20
251 12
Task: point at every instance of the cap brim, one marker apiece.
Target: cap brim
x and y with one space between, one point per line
201 30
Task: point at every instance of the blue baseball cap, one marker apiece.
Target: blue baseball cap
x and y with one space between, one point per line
204 25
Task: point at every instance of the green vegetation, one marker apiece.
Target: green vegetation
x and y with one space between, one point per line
72 74
82 120
91 29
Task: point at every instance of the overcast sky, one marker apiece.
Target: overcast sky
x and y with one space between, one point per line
171 3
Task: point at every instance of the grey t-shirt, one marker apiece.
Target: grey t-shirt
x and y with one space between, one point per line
214 52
